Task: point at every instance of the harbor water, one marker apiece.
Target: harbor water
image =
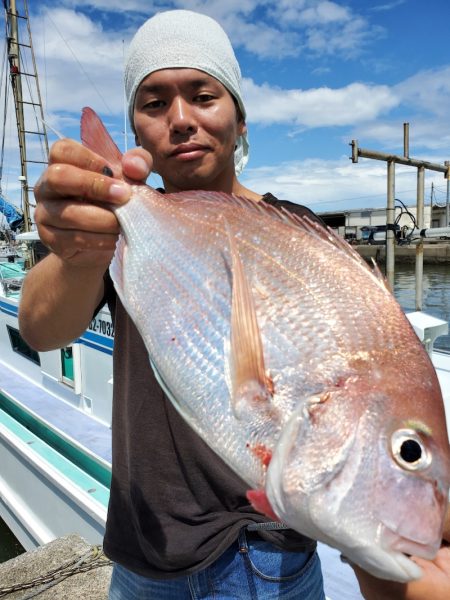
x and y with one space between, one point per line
9 546
436 293
436 301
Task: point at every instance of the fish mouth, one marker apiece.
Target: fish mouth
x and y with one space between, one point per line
405 569
395 542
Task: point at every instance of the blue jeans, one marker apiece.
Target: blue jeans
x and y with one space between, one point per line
250 569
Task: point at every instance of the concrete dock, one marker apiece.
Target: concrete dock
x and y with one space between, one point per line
433 253
68 567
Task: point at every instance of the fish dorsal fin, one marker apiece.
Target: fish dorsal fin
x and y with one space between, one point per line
379 275
250 389
95 137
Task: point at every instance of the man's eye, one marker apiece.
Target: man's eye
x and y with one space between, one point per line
204 97
154 104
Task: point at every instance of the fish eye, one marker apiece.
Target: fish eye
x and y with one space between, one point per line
409 450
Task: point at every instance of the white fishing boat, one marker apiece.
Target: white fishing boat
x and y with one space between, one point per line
55 417
55 407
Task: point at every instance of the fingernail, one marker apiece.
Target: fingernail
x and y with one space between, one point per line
139 163
119 191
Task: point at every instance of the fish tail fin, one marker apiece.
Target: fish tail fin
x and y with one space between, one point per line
95 137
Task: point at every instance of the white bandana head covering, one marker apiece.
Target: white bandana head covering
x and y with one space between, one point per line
182 38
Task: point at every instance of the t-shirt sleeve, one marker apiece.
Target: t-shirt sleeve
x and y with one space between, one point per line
108 294
292 207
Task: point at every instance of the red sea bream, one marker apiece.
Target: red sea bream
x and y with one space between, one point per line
289 356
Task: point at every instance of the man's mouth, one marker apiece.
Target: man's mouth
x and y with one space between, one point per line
189 151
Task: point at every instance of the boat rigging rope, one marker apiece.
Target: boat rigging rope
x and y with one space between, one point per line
92 559
91 81
5 110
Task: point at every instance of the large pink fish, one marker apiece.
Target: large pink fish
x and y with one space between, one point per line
293 361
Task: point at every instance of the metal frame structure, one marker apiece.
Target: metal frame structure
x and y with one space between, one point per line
421 165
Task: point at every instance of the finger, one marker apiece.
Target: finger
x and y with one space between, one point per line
69 214
62 181
65 243
70 152
373 588
446 533
443 559
137 164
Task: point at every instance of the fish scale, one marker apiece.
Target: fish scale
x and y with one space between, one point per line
160 286
344 375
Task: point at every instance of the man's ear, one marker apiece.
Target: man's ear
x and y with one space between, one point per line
136 140
242 127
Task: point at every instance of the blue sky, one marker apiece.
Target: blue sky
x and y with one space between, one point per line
316 75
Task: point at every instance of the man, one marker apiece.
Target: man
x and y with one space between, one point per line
178 517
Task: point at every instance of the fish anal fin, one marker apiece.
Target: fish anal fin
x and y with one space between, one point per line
251 386
258 499
95 137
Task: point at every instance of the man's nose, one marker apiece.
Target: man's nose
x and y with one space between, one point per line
181 116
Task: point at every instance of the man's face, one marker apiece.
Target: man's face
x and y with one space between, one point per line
188 121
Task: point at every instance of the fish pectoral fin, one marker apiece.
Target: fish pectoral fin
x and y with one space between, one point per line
251 387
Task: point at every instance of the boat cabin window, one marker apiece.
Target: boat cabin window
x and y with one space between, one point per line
20 346
67 366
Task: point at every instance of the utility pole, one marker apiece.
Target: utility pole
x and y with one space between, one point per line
447 202
422 166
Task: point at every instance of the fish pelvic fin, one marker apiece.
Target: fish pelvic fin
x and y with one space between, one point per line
95 137
260 503
251 387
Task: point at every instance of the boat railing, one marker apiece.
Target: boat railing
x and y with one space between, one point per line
427 328
11 278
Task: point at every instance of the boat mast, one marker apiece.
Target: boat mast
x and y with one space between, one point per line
16 73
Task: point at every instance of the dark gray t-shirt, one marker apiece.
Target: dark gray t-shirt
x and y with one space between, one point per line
175 506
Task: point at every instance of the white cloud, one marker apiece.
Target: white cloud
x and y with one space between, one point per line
282 28
267 28
311 13
318 107
115 5
424 134
261 39
327 185
423 101
326 27
428 90
75 74
387 6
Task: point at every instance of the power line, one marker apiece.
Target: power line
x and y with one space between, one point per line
81 66
383 195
